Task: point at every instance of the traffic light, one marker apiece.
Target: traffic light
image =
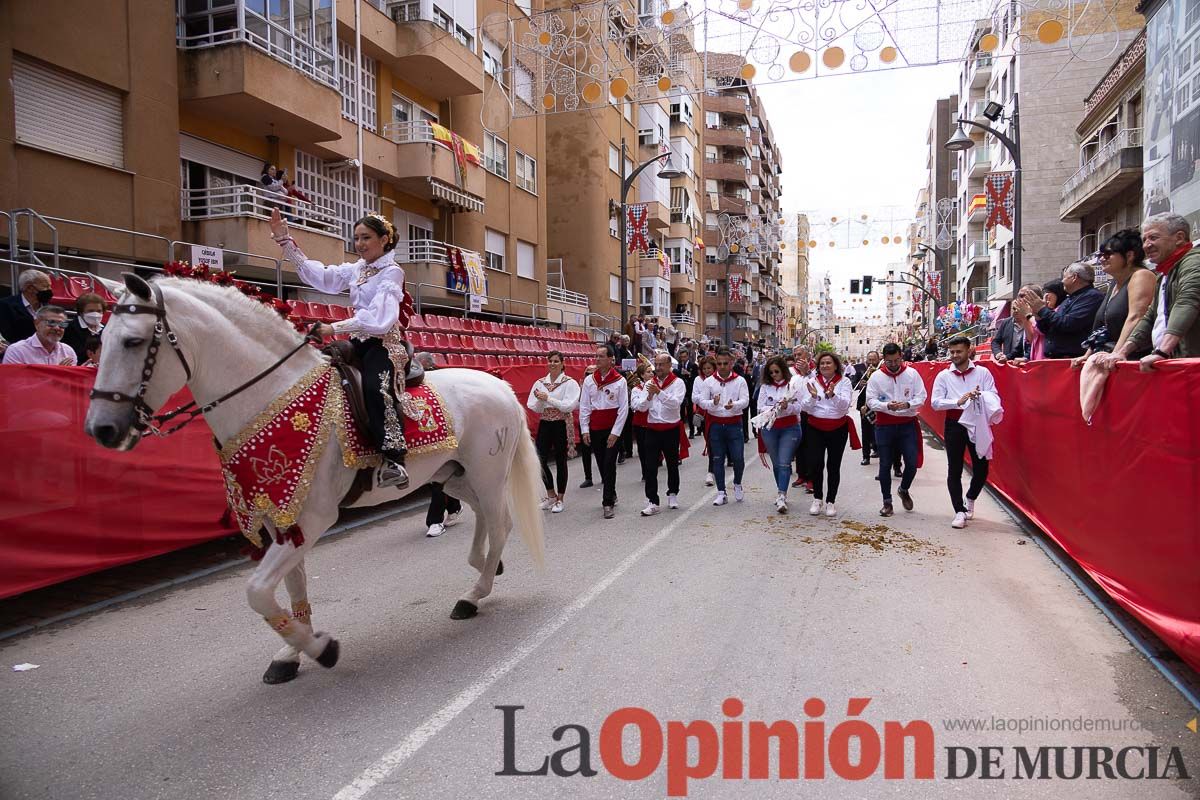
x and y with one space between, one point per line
854 286
866 284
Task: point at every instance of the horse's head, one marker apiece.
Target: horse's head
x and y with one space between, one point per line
138 371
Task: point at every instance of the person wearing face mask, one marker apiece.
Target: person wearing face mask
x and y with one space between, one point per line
896 393
16 312
89 311
45 347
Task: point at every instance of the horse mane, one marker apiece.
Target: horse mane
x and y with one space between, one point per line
269 328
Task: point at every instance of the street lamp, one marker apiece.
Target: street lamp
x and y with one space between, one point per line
960 141
937 265
667 172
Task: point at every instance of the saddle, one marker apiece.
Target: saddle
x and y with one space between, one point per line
349 368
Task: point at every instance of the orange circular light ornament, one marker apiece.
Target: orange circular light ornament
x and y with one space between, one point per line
1050 31
664 84
747 71
888 54
749 248
548 102
989 42
833 57
733 248
884 240
591 92
833 219
668 17
544 38
800 61
896 240
833 244
866 242
618 87
812 243
745 5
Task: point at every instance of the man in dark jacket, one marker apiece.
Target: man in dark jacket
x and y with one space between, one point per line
16 311
1009 341
687 371
1067 326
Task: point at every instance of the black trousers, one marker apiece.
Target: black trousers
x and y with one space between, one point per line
957 443
386 426
639 438
688 412
802 451
440 504
585 454
868 434
625 443
606 460
825 450
666 444
552 444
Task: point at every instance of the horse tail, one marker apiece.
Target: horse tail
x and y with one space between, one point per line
525 484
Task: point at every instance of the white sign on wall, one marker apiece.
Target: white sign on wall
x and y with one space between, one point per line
211 257
476 303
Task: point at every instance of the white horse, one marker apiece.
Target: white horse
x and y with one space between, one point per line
225 339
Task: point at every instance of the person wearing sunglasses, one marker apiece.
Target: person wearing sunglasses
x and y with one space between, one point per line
45 347
1128 297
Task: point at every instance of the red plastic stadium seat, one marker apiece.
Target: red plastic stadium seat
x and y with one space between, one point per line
299 309
321 312
491 362
439 359
442 343
417 323
453 360
454 324
454 341
78 286
468 341
337 312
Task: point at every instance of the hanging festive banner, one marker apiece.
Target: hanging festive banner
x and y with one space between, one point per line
666 264
637 230
1000 200
735 289
477 277
935 285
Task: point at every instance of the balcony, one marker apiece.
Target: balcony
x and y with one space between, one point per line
979 161
417 40
728 136
236 218
1113 171
732 204
729 169
685 324
427 261
727 103
977 209
239 85
658 215
682 282
977 252
426 167
981 70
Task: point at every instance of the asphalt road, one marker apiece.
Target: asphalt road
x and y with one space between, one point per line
162 698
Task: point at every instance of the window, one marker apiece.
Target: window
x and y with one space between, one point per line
493 59
523 78
712 119
495 155
526 172
614 288
628 110
710 186
335 189
526 6
710 220
495 243
367 92
613 228
67 114
710 286
614 159
525 259
710 320
405 110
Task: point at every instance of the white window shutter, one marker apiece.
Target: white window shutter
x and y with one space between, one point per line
67 114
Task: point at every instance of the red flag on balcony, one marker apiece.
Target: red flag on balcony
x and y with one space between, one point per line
637 232
1000 200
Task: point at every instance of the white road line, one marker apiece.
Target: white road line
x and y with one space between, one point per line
407 748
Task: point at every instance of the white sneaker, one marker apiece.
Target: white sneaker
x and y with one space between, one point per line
781 503
815 508
970 508
557 508
546 503
451 519
738 494
435 530
672 501
830 511
721 499
960 520
710 480
650 510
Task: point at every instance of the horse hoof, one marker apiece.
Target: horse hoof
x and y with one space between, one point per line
464 609
499 569
329 656
281 672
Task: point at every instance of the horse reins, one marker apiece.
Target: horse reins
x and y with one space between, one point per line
147 420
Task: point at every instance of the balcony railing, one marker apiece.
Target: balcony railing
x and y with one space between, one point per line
245 200
1129 137
978 250
402 11
684 319
556 295
414 131
980 156
416 251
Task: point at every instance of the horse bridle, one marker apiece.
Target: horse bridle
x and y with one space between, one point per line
147 420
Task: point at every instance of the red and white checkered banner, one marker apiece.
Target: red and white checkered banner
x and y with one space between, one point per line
735 289
1001 203
637 230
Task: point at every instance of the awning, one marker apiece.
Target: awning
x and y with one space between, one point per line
458 200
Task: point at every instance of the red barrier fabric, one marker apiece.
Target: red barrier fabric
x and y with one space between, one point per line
1120 496
69 507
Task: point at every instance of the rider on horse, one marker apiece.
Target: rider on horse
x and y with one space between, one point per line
381 310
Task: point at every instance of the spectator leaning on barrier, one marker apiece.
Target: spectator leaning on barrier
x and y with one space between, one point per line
1127 298
16 311
1067 326
89 310
1010 341
1170 324
1053 294
45 346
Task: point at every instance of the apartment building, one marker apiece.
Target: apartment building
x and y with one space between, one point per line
743 186
1006 62
793 270
931 240
367 106
1105 194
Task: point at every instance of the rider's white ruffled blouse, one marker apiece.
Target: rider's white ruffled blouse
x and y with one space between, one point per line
376 289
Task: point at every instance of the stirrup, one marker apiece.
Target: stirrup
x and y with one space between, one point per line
392 474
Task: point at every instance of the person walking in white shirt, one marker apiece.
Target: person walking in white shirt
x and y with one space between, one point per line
827 399
896 393
724 396
603 411
956 389
660 398
780 392
554 398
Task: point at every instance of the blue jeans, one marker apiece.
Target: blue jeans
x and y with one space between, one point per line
725 441
782 444
892 439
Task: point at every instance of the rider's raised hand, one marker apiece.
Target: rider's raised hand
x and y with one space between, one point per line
279 228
